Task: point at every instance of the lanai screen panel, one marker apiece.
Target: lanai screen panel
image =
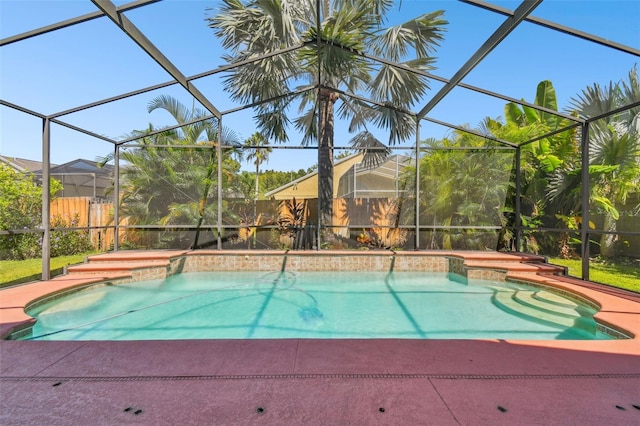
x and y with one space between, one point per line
96 84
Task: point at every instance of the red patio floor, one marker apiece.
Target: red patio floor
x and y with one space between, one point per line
323 382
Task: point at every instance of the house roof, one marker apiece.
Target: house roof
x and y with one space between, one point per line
79 173
82 166
352 159
22 164
79 165
388 168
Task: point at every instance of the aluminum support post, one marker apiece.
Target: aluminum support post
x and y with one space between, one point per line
46 199
116 197
584 227
518 205
417 187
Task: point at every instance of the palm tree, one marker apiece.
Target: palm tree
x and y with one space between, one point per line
541 162
170 174
614 143
258 153
462 188
330 38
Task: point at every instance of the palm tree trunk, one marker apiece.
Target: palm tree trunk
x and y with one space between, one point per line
203 200
325 156
607 241
257 179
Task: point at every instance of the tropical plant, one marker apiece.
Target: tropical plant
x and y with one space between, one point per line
292 218
386 234
614 143
551 169
170 175
258 152
278 45
462 188
541 160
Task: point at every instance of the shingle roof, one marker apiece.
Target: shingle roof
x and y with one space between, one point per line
22 164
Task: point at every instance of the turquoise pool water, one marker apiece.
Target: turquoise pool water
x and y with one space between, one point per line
336 305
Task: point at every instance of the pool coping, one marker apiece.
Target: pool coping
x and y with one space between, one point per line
618 315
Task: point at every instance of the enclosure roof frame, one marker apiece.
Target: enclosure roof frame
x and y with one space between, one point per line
116 14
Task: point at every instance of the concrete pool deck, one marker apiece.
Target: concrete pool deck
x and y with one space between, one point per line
303 381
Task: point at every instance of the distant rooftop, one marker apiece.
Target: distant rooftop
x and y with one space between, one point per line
22 164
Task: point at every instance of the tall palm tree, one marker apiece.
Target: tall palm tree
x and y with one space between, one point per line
331 36
257 152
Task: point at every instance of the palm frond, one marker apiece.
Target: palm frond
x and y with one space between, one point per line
357 111
172 105
398 86
401 125
375 152
420 35
307 125
595 100
272 121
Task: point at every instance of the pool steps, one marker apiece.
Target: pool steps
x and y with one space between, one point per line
519 302
137 265
530 298
555 299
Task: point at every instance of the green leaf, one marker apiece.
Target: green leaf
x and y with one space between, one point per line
549 162
531 114
546 97
601 170
513 114
607 205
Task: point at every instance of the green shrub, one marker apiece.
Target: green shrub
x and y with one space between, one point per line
65 242
20 210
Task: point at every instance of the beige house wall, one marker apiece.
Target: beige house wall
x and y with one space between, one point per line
307 186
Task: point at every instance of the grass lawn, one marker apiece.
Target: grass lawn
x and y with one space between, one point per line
623 275
22 271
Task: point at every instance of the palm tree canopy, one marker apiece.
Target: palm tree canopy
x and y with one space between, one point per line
331 56
257 149
166 185
615 140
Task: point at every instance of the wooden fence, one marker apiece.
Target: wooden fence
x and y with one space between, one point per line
96 214
83 212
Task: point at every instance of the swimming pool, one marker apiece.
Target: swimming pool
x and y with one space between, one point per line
335 305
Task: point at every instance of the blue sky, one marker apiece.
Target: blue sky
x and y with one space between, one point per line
95 60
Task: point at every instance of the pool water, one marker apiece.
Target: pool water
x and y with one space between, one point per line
335 305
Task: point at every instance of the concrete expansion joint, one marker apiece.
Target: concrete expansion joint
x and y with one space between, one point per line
58 380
